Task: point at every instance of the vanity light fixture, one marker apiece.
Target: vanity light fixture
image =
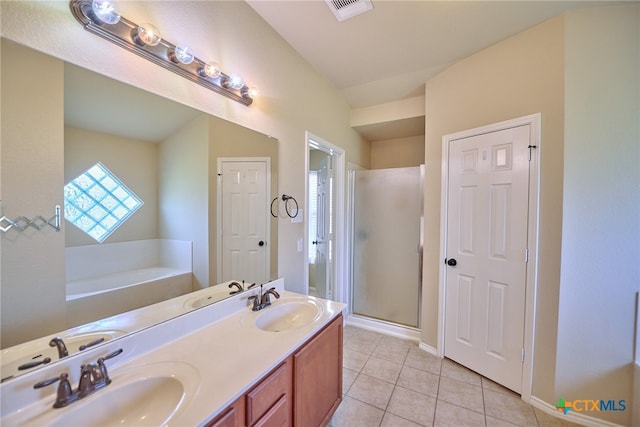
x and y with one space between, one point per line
146 35
182 54
105 11
211 69
102 18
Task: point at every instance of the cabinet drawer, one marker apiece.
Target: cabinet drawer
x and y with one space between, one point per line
277 416
270 392
233 416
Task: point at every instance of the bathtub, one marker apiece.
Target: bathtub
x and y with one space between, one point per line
105 280
118 281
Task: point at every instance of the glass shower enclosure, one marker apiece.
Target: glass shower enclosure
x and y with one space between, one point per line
387 249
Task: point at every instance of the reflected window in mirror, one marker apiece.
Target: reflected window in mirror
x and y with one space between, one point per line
97 202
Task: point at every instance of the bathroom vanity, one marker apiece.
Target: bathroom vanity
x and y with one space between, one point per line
304 390
220 365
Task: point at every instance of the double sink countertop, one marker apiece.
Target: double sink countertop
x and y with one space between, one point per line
204 360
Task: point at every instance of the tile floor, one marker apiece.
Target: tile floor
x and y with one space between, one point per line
389 382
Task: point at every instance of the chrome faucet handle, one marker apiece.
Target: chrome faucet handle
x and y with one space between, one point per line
64 395
62 348
102 372
91 343
33 364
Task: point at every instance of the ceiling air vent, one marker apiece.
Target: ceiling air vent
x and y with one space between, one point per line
345 9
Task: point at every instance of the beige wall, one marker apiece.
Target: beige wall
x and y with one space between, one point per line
601 218
184 188
581 72
517 77
31 177
397 153
134 162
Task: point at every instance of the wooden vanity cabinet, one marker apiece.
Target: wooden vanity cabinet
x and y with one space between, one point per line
269 403
318 377
303 391
233 416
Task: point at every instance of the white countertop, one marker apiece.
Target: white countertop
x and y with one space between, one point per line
222 359
110 327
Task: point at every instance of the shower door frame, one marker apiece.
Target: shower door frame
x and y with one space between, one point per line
379 325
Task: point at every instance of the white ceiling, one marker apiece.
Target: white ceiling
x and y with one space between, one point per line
388 53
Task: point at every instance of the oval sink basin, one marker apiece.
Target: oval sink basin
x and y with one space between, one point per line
146 395
208 296
150 401
287 315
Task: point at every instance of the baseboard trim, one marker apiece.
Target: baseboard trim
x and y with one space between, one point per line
387 328
574 417
429 349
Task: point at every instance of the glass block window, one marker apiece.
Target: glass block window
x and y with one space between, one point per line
97 202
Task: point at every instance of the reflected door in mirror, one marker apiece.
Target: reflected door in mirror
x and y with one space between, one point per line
245 188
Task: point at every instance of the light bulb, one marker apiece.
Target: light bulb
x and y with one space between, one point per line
250 92
182 54
105 11
210 69
235 82
146 34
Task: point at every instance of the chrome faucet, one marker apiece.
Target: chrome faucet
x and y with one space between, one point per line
62 348
239 287
262 300
89 380
65 395
93 377
266 301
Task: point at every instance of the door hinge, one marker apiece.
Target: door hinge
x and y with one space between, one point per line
523 353
531 148
526 255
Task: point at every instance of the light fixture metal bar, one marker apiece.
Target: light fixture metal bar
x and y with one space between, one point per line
121 34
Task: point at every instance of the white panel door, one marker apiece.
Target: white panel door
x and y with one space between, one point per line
322 239
245 255
487 215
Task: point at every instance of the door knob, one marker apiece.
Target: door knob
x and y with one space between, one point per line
452 262
260 243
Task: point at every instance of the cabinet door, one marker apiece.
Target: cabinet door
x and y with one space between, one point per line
233 416
318 377
269 403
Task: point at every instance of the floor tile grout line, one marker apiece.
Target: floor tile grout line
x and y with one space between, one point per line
376 343
484 407
435 408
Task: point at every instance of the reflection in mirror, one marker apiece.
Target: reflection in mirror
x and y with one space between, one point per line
185 166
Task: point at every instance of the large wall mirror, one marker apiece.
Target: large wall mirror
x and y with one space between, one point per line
71 137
